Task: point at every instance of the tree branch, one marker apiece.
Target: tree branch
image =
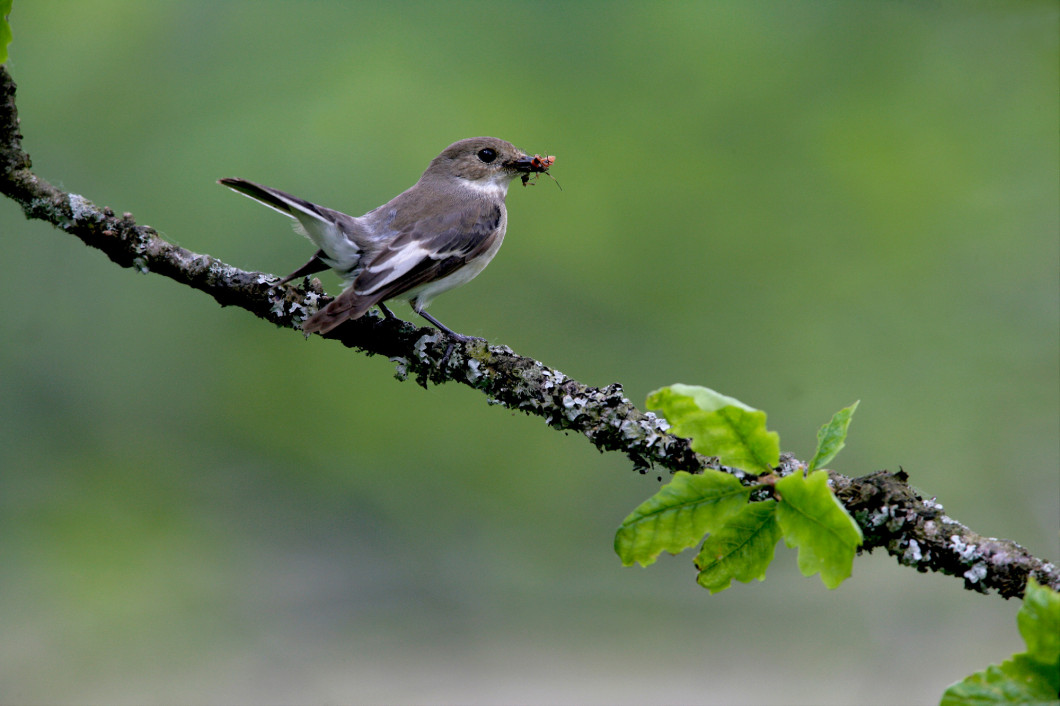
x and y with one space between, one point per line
891 514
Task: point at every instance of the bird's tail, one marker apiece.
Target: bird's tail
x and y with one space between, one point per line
333 232
275 199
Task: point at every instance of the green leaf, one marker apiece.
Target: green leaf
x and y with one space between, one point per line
1031 677
813 520
1019 680
741 550
718 426
678 516
831 438
1039 623
5 29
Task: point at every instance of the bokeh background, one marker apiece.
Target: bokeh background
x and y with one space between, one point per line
797 204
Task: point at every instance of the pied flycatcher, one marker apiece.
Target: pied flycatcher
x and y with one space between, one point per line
435 236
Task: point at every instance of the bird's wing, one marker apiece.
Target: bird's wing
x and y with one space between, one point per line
425 251
429 250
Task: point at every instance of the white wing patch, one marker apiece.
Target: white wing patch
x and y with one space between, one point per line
428 291
398 265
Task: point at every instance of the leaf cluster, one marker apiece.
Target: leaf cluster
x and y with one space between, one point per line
738 536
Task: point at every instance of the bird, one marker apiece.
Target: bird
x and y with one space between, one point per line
436 235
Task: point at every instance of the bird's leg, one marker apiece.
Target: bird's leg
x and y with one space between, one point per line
444 362
443 327
453 334
386 312
314 265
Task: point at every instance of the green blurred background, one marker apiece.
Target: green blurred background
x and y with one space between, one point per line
797 204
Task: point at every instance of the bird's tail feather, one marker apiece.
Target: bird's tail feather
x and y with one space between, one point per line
344 307
333 232
275 199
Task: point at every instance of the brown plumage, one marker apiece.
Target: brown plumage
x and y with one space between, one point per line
437 235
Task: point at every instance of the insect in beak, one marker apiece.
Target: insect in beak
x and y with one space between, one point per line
540 165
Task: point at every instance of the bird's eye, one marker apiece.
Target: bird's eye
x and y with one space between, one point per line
487 155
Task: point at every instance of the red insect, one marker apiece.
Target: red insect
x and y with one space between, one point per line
540 165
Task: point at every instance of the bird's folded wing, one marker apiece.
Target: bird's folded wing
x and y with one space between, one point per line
425 251
429 250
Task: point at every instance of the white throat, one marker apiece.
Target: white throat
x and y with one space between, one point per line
497 186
